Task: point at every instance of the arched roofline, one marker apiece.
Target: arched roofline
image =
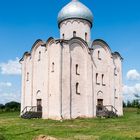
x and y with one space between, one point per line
118 54
81 41
103 43
33 47
35 44
74 19
49 40
25 54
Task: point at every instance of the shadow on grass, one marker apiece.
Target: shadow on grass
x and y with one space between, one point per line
2 137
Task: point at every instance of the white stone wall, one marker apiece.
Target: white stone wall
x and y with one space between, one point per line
80 26
38 74
27 80
53 78
66 84
118 84
77 105
45 96
102 67
54 91
111 92
23 85
78 99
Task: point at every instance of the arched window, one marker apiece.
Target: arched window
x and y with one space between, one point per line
97 79
77 88
99 55
52 67
103 80
27 78
39 56
74 33
63 36
77 70
115 93
85 36
38 92
115 71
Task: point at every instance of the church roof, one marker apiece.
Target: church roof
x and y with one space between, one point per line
75 9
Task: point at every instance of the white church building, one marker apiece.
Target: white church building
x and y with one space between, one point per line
72 76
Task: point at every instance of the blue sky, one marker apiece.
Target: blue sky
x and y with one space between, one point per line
22 22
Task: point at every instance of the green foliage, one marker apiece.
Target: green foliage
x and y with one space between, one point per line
135 103
12 127
2 106
10 106
2 137
124 104
129 104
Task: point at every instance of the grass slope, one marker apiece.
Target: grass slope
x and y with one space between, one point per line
12 127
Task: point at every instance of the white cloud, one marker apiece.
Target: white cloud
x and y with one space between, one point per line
5 84
129 92
8 97
8 93
12 67
133 75
131 89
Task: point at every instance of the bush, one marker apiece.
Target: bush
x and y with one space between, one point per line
2 106
2 137
12 106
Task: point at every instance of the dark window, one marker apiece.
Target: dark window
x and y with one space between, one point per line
63 36
99 55
74 33
39 105
38 92
77 70
27 76
97 79
39 56
115 71
77 88
85 36
103 80
52 67
115 93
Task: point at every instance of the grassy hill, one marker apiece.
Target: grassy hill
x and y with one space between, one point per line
12 127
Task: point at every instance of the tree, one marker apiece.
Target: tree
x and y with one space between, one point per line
124 104
138 101
12 106
2 106
135 103
129 104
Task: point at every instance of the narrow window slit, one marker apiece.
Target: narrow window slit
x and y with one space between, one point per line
77 89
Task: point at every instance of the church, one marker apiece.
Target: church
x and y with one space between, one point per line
73 76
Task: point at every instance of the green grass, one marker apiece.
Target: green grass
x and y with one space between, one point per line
12 127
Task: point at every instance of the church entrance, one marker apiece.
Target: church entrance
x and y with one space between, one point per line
39 105
99 104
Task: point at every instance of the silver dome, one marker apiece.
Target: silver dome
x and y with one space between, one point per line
75 9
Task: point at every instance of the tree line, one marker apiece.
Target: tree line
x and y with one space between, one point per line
134 104
10 106
15 106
